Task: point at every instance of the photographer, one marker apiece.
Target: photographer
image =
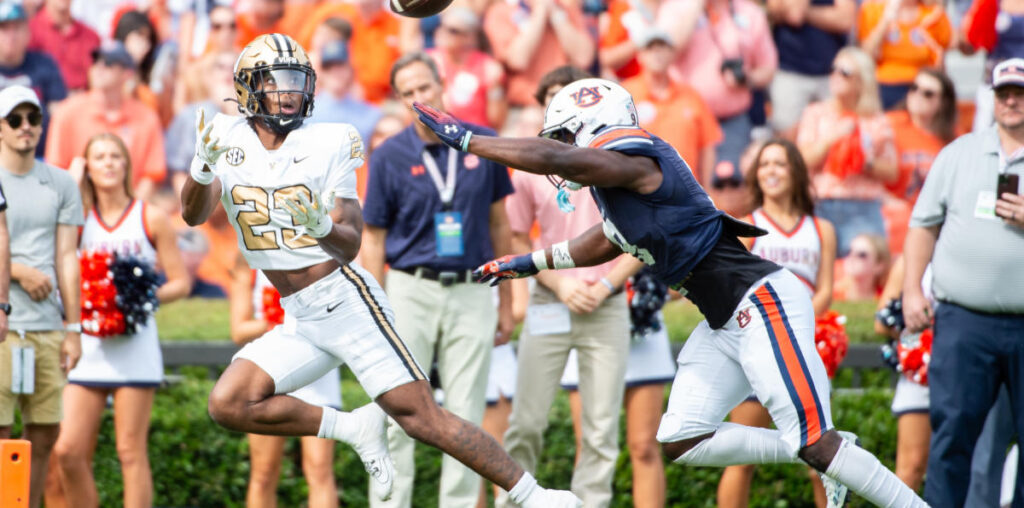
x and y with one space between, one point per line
725 50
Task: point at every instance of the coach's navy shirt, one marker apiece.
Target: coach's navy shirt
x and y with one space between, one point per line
402 198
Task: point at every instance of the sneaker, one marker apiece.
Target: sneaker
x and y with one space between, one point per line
547 498
373 450
836 493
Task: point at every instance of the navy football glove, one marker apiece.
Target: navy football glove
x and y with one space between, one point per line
447 127
505 267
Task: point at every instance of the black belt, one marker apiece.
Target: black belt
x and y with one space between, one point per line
445 277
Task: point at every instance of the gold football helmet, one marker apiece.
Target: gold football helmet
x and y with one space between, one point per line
271 75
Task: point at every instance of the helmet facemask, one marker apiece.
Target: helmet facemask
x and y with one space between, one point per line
285 89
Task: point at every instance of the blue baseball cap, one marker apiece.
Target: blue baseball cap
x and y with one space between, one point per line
12 11
113 53
334 52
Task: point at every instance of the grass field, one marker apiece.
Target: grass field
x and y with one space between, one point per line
207 320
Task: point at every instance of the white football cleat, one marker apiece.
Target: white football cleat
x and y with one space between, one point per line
549 498
836 493
373 449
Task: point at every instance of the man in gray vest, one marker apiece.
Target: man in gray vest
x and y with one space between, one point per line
969 223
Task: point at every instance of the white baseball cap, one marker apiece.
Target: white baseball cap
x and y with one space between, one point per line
16 95
1008 72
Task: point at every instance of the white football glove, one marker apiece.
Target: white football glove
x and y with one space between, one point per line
315 216
204 164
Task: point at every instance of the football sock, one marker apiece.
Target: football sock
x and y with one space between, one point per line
859 470
734 444
339 425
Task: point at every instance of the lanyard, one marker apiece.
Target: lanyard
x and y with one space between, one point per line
446 188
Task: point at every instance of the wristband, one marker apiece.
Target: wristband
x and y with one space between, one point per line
198 174
560 256
540 259
73 327
608 284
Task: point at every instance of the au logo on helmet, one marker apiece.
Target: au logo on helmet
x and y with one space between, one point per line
587 96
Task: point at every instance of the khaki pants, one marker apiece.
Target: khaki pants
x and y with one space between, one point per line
458 323
43 405
601 340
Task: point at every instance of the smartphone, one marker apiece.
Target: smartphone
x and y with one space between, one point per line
1009 183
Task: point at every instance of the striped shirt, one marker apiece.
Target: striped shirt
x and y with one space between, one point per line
977 258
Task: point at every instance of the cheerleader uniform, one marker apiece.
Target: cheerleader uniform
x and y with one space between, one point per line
911 397
325 391
121 360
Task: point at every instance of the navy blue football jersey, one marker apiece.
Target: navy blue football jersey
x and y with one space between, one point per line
677 231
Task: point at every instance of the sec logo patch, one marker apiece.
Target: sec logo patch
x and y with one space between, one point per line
235 156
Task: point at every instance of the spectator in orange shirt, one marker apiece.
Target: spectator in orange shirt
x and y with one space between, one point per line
673 111
474 88
107 107
268 16
622 25
903 36
848 146
925 125
374 43
532 37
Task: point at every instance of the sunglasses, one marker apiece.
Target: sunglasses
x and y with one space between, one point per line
34 118
223 26
846 73
925 92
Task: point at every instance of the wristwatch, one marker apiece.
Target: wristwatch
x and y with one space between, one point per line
73 327
6 307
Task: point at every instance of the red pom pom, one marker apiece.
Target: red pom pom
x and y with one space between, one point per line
273 314
100 316
831 340
915 353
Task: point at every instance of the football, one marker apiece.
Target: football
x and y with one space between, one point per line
419 8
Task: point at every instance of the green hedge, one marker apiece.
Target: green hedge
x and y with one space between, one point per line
198 464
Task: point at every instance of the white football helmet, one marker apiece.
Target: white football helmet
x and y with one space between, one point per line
584 107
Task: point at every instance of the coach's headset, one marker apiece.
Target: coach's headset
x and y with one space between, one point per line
270 66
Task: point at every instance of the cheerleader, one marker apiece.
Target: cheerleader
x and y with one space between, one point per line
128 366
798 241
255 309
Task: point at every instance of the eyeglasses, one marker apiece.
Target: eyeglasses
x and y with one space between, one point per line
925 92
846 73
34 118
223 26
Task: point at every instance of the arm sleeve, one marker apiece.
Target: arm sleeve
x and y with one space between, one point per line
341 178
376 208
930 209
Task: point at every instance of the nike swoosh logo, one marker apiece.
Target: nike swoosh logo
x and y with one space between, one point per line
330 308
297 160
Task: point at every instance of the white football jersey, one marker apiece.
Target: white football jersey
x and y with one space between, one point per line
798 250
315 158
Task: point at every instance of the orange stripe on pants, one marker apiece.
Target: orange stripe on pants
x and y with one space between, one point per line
792 367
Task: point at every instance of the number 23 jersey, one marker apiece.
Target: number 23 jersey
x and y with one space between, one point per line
315 158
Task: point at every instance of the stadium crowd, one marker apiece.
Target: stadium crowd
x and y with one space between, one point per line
848 98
